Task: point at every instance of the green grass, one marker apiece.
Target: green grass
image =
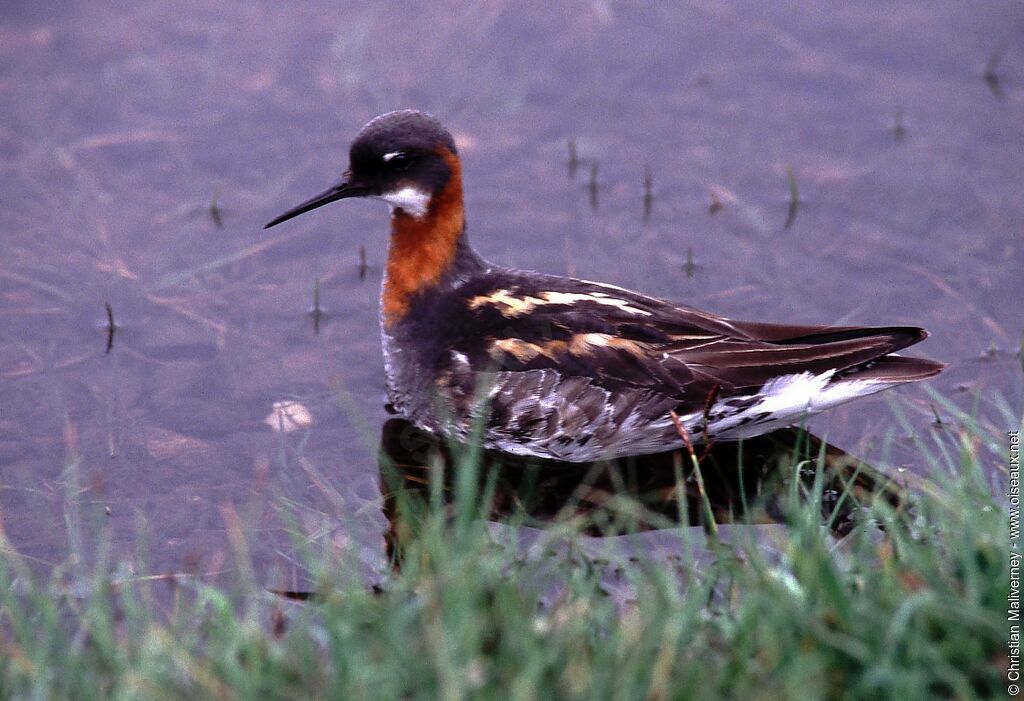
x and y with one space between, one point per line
914 610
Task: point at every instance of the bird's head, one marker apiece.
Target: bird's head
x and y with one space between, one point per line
406 158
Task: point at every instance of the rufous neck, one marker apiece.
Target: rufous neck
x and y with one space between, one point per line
423 249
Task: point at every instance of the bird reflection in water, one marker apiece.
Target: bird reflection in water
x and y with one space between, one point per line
752 482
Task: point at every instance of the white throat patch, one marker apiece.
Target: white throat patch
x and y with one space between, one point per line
410 200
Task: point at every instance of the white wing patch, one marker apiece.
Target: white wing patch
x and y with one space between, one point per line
793 394
782 401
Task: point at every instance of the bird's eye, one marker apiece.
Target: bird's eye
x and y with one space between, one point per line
396 159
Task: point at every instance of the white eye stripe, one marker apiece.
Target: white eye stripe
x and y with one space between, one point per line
389 156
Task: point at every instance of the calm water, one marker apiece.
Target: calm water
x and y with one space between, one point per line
121 126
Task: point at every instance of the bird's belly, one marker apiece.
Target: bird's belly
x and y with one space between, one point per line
542 414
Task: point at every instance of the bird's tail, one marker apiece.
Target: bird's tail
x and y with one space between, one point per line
893 369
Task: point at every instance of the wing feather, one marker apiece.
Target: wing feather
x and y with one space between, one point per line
620 340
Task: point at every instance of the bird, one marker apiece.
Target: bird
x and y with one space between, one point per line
567 369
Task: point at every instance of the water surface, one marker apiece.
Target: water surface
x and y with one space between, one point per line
121 128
